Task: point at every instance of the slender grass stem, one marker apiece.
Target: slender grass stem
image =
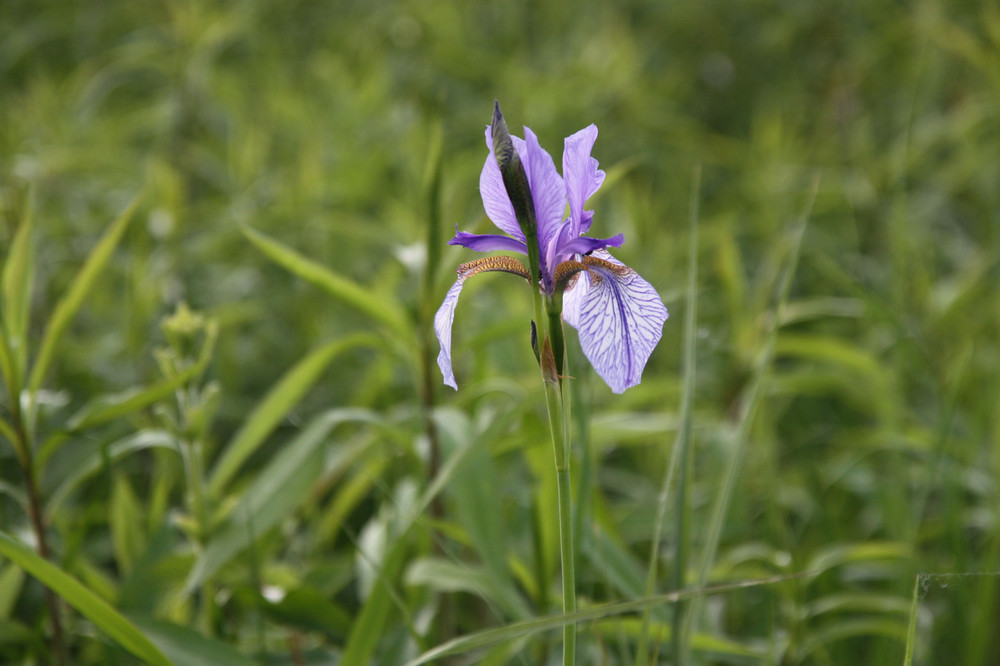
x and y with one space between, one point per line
679 458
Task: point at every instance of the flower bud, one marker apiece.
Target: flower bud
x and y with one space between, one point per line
514 178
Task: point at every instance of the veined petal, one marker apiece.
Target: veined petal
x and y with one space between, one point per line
619 317
488 242
581 175
547 190
445 316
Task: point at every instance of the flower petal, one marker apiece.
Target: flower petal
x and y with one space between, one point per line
488 242
547 190
445 316
586 244
442 327
581 175
619 317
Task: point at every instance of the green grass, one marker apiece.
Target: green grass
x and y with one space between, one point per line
279 473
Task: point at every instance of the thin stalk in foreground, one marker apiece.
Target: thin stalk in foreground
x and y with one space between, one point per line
679 456
747 411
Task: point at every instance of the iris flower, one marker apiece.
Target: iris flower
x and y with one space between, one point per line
618 315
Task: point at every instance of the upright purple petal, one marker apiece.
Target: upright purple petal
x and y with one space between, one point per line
619 317
581 175
547 190
488 242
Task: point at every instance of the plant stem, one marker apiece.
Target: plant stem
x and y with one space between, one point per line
38 524
560 448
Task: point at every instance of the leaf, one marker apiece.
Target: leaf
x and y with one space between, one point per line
266 416
15 291
107 619
125 521
475 491
370 624
277 491
308 609
109 407
70 303
188 647
350 293
11 579
490 637
840 554
140 441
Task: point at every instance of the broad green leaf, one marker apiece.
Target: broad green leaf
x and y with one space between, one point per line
15 291
378 308
267 415
106 618
187 647
70 303
276 492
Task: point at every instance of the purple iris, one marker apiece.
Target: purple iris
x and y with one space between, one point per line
618 315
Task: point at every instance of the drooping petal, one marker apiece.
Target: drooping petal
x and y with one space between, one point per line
619 317
442 327
445 316
488 242
581 175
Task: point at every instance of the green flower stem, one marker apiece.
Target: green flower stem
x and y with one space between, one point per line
560 447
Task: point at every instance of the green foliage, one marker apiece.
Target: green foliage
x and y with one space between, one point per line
273 474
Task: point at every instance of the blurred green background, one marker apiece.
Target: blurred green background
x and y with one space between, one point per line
352 132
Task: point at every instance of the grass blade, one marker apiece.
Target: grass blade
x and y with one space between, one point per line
277 491
115 625
911 629
15 291
188 647
721 503
70 303
679 456
339 287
